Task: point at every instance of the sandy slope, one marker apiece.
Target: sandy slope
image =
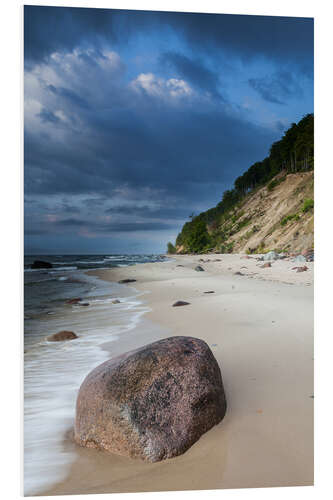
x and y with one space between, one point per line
260 329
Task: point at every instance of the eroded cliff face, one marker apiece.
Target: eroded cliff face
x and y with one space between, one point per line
277 216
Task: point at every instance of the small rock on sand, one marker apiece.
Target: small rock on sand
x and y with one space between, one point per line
116 301
127 280
210 291
267 264
300 269
180 303
63 335
199 268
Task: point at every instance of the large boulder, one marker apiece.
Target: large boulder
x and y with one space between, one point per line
152 403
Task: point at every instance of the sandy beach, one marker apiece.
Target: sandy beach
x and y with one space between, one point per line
259 325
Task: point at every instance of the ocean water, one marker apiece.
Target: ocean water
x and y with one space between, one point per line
54 371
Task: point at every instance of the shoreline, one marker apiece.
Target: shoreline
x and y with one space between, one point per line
260 329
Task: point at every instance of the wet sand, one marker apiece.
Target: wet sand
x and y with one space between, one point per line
260 328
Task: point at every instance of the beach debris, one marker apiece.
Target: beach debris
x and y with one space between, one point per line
238 273
300 269
116 301
308 254
199 268
74 301
127 280
267 264
210 291
180 303
217 260
41 264
270 256
299 258
152 403
63 335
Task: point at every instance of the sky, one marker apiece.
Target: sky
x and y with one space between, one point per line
134 120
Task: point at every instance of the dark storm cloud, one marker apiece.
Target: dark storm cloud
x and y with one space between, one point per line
277 88
279 39
164 143
96 227
169 152
48 116
193 71
49 29
69 94
146 211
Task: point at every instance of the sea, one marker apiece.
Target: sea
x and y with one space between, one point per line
54 371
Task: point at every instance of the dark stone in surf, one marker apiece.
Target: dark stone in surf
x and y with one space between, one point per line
74 301
152 403
63 335
41 264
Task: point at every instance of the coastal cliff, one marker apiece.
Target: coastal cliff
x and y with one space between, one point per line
271 206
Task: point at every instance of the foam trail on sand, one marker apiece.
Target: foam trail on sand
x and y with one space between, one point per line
54 371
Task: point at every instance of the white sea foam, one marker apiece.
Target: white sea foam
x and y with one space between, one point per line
53 374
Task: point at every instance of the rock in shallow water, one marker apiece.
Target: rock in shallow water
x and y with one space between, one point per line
63 335
41 264
152 403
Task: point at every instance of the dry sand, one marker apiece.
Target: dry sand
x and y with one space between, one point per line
260 329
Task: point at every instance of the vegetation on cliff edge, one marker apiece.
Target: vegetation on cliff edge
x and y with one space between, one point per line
294 152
